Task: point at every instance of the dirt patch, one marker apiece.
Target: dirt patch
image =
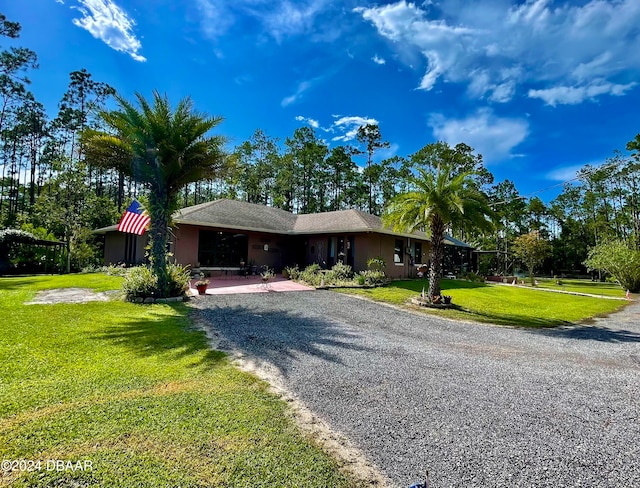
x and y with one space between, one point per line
351 460
68 295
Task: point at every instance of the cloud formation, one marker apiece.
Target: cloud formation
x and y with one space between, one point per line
560 52
302 87
378 60
279 19
345 127
493 137
307 120
564 173
348 126
108 22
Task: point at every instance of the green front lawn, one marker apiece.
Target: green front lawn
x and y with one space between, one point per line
583 286
137 392
503 305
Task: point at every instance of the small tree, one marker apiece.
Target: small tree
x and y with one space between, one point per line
532 250
619 261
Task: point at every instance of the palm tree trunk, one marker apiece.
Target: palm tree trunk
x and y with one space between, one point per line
159 233
437 252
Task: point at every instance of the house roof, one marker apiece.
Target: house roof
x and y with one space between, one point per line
237 215
234 214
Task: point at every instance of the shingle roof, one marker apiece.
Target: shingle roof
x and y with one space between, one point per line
237 215
234 214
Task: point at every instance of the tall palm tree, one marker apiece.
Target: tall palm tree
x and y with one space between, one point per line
436 201
162 148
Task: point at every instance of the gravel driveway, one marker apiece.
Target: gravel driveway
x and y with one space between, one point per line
479 406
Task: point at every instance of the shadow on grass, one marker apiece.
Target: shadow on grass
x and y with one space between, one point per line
445 285
162 335
590 333
276 336
511 320
11 283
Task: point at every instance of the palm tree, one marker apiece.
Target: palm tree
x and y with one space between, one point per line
163 149
436 201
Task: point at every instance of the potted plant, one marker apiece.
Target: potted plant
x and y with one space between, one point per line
266 275
201 285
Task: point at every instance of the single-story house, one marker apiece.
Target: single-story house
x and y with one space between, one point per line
223 235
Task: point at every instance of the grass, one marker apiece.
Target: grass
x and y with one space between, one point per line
583 286
502 305
135 390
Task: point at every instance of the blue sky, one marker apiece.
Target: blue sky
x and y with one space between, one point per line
539 88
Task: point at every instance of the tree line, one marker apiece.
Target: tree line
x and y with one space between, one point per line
51 187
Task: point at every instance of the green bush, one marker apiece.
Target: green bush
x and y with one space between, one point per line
473 277
342 272
141 282
376 264
372 277
619 261
311 275
292 272
361 279
179 277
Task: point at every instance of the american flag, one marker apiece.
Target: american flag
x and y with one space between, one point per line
134 220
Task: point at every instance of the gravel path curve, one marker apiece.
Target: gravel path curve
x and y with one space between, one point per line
478 405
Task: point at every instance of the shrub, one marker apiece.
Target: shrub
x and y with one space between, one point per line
376 264
292 272
115 270
361 279
619 261
141 282
342 272
311 275
178 279
372 277
473 277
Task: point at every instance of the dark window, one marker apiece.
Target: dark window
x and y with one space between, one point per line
418 256
222 248
397 252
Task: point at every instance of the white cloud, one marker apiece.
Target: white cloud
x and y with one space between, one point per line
378 60
493 137
109 23
347 127
215 17
279 19
564 173
572 95
302 87
307 120
497 46
286 18
344 128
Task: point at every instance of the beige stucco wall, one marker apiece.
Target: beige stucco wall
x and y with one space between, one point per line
186 247
366 246
283 250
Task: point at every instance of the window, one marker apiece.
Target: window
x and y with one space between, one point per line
418 254
397 252
222 248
